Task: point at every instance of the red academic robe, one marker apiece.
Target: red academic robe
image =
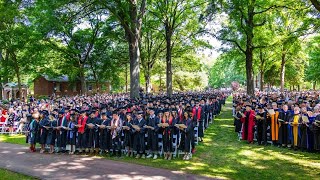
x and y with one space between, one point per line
251 124
3 119
84 120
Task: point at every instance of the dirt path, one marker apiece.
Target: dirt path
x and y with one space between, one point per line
17 158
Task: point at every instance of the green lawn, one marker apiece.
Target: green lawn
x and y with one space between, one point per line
14 139
223 156
9 175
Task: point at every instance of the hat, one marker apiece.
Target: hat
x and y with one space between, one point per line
260 106
115 111
140 112
44 112
166 110
248 105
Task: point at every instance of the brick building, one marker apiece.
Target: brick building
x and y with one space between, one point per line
46 86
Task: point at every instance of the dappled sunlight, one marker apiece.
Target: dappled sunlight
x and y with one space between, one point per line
221 156
5 152
302 162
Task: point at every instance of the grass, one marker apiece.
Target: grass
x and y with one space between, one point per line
223 156
9 175
14 139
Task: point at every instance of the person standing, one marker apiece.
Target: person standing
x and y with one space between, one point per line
186 136
274 124
139 135
116 126
82 121
198 118
248 124
33 134
152 141
284 118
261 119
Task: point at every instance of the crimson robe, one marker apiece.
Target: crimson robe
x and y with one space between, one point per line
251 115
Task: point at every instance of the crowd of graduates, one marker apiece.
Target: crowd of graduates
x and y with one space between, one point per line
287 120
118 126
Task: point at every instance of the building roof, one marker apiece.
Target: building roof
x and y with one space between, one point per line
63 78
14 85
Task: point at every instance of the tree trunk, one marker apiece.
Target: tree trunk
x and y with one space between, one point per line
282 70
126 78
298 87
160 82
83 80
1 88
96 81
249 51
147 79
168 60
262 63
17 71
134 54
314 85
249 72
1 59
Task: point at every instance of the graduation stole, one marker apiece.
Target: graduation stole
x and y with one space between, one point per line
70 125
164 120
180 114
114 122
197 114
82 121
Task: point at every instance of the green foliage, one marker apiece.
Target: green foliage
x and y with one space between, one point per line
227 69
312 68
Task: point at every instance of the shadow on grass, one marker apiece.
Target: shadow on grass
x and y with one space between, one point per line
223 156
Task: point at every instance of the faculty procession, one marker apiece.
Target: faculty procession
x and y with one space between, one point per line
116 125
288 120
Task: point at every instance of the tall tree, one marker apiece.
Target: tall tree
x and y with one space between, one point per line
152 46
244 17
177 17
130 14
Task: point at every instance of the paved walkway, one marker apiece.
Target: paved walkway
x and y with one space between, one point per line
17 158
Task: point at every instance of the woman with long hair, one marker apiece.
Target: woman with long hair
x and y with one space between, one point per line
186 135
11 119
128 137
167 132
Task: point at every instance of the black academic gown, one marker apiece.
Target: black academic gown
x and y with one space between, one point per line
304 135
167 135
72 134
43 131
98 121
52 134
186 135
62 133
90 133
152 141
262 128
128 134
139 141
105 136
283 129
237 123
316 134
